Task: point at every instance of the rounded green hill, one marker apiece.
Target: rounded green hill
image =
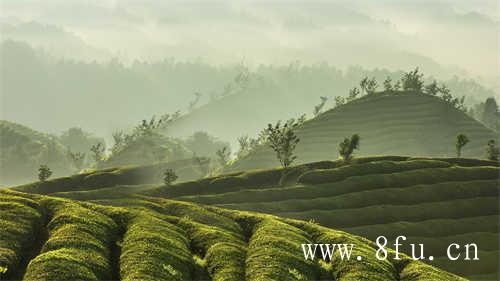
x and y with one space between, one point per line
394 123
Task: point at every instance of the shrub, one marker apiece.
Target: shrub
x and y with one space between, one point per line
44 172
461 141
492 150
347 147
169 176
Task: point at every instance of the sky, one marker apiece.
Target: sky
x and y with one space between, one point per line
459 35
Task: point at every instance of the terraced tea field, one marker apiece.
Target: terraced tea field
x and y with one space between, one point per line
389 124
431 201
146 238
434 202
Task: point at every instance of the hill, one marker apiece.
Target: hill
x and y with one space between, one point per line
434 201
146 238
147 175
147 150
403 123
22 150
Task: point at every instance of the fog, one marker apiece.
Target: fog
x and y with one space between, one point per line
455 34
66 59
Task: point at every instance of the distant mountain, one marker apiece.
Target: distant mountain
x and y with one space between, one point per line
402 123
53 39
87 93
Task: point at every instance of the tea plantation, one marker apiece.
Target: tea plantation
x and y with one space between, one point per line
140 233
146 238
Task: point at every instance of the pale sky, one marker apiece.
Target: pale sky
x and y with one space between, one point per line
463 34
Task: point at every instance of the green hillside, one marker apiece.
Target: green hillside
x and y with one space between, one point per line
22 150
431 201
146 238
401 123
137 177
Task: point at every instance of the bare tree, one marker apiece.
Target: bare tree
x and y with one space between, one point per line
319 107
223 155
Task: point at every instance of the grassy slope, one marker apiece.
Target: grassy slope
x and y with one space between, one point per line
146 238
111 177
389 124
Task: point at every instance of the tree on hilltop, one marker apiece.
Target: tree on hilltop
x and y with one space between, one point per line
412 81
98 151
432 88
388 84
353 94
223 156
319 107
371 86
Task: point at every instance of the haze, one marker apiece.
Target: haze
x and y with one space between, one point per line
443 38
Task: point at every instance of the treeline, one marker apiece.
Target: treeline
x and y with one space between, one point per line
414 82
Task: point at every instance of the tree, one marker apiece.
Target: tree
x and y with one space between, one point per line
397 86
244 142
282 139
461 141
203 144
339 101
120 141
445 93
347 147
353 94
77 158
223 155
169 176
98 151
203 164
78 140
492 150
44 172
363 84
459 103
319 107
432 88
388 84
412 81
193 103
371 86
148 128
490 114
